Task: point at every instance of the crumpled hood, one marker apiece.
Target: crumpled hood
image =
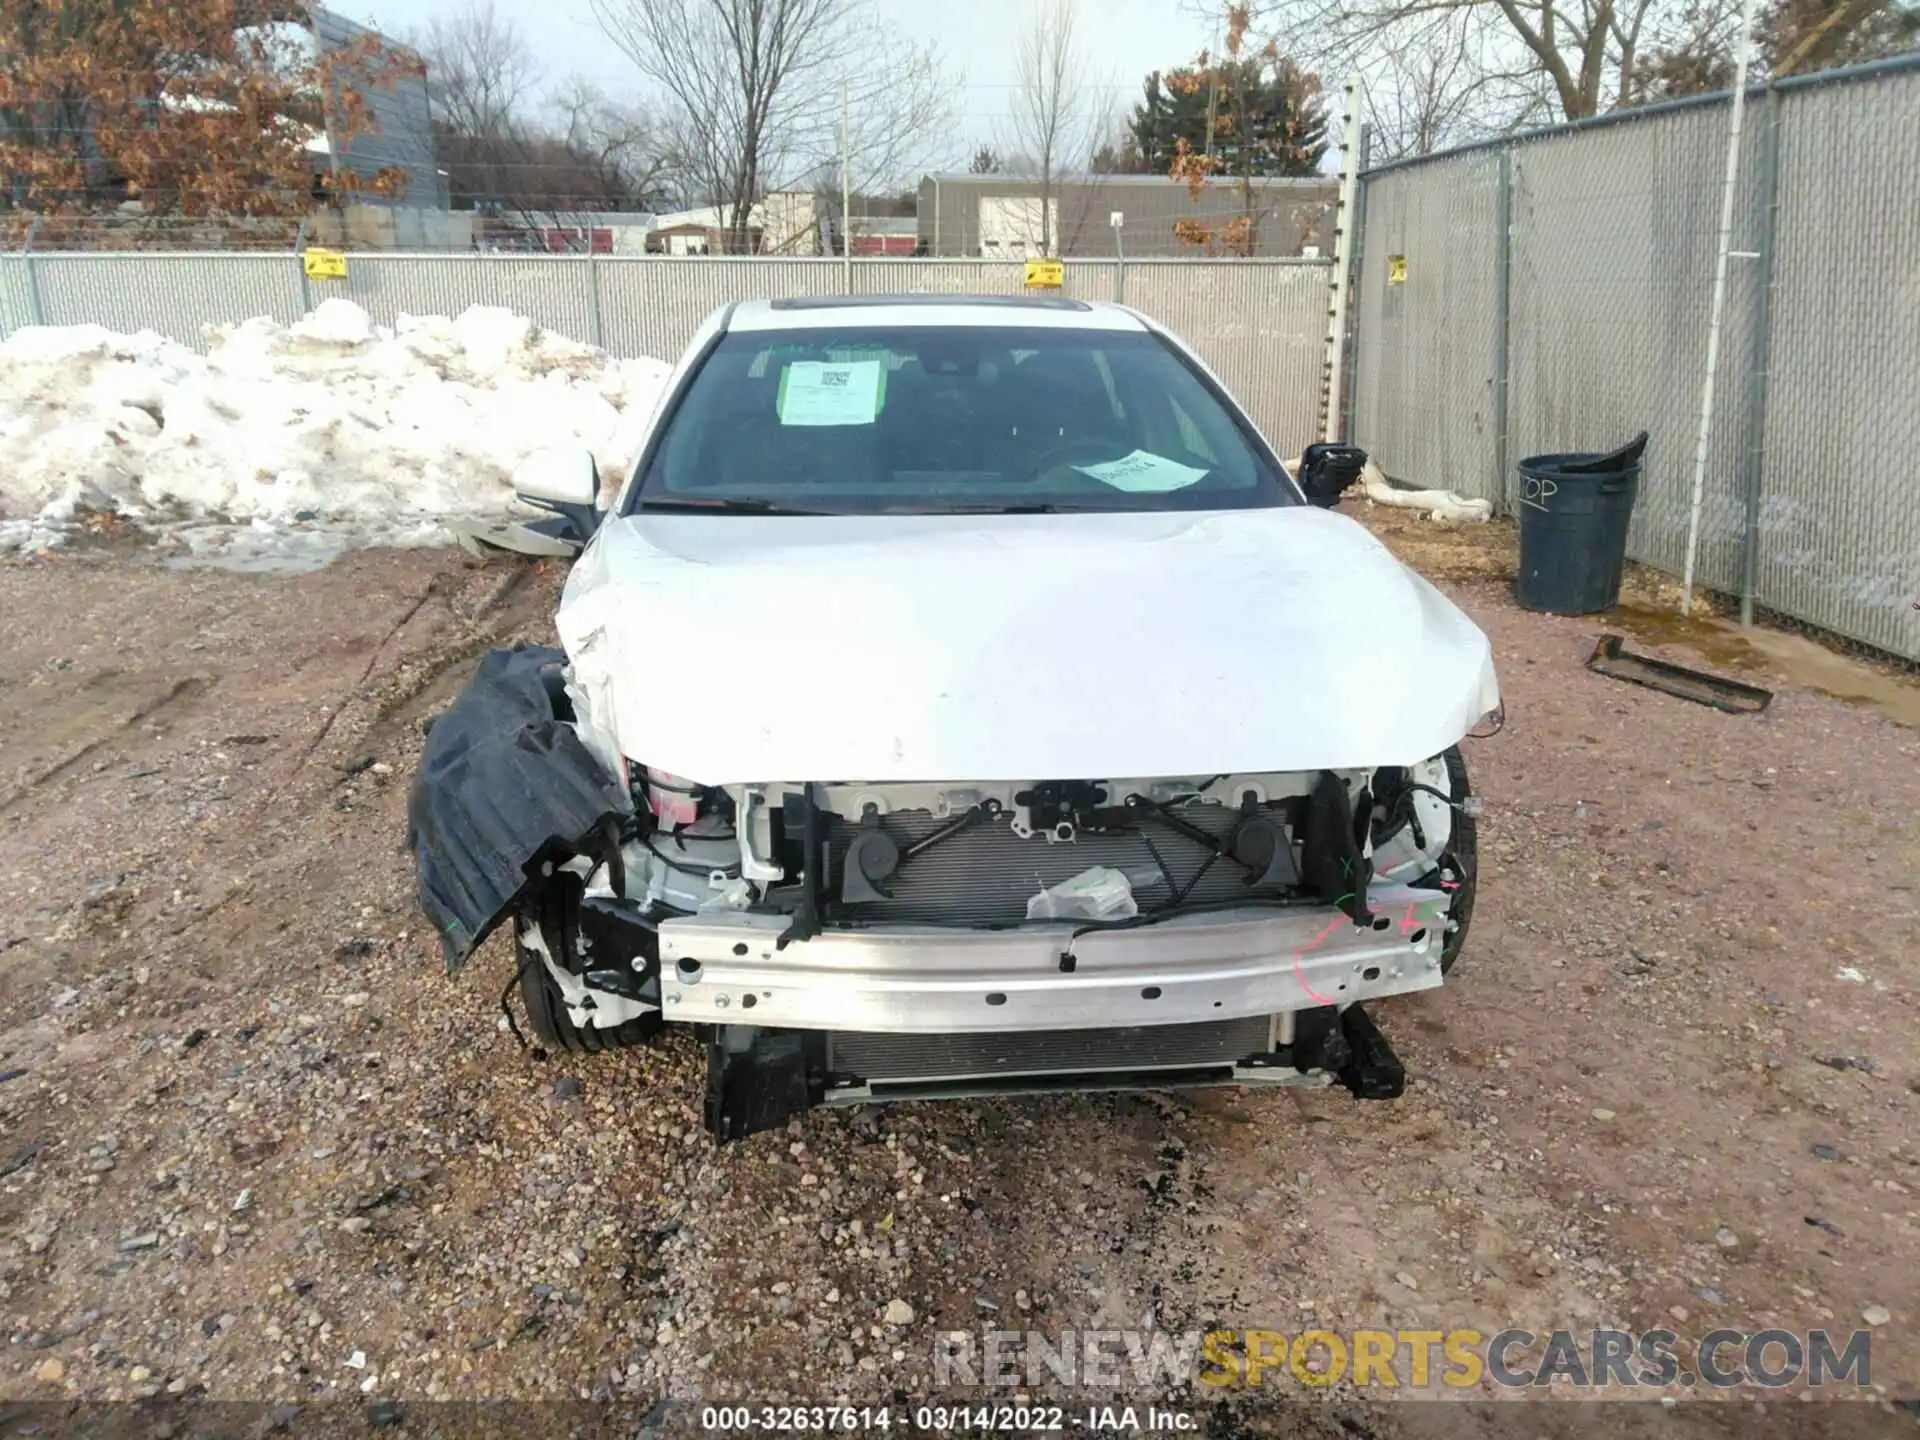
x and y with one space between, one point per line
742 648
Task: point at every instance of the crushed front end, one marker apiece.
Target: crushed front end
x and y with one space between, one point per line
841 943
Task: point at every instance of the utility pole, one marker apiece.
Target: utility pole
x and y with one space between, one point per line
1717 306
846 198
1213 96
1213 89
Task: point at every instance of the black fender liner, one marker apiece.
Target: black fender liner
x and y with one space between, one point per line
1331 860
505 787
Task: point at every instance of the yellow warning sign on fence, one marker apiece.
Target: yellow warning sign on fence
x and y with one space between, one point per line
1396 269
1045 274
325 264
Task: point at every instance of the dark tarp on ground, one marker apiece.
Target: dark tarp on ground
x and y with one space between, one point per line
504 785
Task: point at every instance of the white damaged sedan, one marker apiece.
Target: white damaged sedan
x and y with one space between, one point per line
960 696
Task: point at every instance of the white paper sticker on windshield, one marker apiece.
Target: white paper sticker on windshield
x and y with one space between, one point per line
817 392
1143 471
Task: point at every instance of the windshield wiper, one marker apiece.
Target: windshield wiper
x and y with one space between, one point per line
709 505
1047 508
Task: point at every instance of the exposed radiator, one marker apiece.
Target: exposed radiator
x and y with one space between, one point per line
878 1058
986 874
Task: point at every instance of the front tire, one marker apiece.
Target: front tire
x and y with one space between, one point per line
1462 856
555 911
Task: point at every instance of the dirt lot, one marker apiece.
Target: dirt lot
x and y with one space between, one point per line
256 1145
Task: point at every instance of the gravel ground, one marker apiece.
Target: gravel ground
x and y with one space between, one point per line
258 1146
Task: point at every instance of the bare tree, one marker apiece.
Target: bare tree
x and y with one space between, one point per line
1694 52
899 120
481 80
1545 59
755 89
1801 35
1430 87
624 148
1439 72
1056 121
1685 53
481 73
1105 125
541 161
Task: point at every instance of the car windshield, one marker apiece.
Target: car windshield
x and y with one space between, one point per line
953 419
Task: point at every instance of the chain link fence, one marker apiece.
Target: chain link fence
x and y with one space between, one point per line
1260 324
1551 293
1838 517
1423 352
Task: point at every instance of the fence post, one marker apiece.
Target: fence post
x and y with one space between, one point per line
1333 381
34 312
1502 308
300 259
593 295
1351 390
1754 448
846 200
1717 305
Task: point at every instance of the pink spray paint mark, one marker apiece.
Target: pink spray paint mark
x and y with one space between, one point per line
1299 970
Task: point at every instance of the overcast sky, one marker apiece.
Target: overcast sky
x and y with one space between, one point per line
1123 40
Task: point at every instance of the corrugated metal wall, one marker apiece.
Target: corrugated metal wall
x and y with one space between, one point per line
400 136
1611 251
1259 324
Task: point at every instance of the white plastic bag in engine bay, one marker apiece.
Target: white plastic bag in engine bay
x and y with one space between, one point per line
1099 893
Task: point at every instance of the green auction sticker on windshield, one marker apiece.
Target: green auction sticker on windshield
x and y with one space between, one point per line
824 392
1143 472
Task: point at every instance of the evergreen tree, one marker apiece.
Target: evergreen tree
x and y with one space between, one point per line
1268 117
1248 114
1150 131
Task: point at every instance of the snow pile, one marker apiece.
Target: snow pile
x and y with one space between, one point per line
330 427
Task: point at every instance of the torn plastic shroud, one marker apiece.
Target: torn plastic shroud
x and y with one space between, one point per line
505 786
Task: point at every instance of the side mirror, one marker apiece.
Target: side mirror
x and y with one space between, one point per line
1327 470
565 481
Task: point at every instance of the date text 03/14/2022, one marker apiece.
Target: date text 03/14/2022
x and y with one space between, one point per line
941 1419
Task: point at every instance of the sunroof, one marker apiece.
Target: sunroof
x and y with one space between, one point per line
1006 302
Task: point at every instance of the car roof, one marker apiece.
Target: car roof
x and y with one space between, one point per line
815 312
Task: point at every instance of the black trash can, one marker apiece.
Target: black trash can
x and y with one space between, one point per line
1574 511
